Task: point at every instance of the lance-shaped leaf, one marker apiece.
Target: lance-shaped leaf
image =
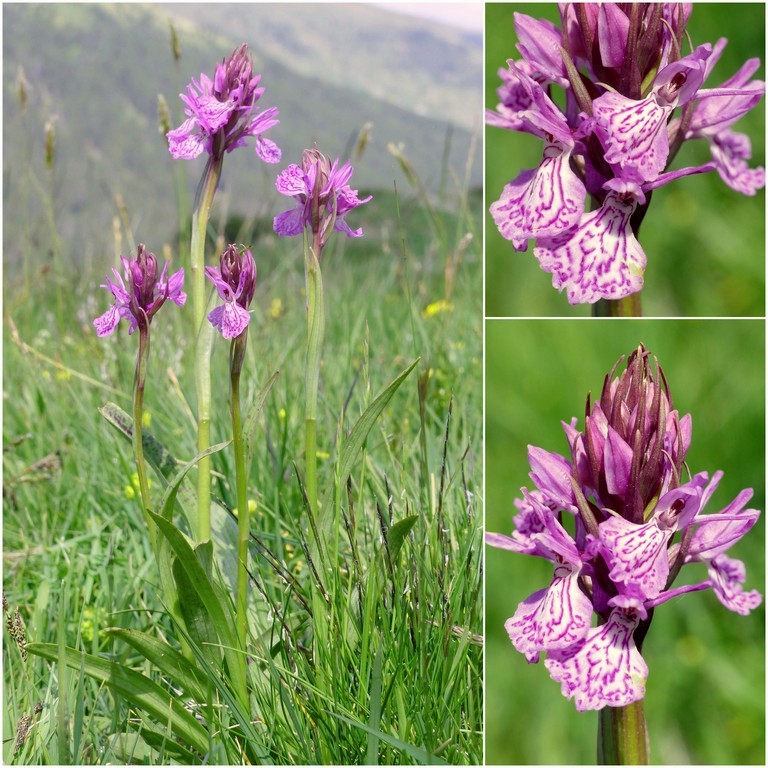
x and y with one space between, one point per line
140 691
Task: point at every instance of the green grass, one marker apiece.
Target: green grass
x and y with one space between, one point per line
705 701
399 679
705 242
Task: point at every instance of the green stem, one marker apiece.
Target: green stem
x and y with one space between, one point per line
622 736
315 333
204 334
629 306
138 412
237 353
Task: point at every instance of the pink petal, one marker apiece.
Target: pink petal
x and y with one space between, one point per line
634 133
605 669
636 554
230 319
727 576
289 223
601 259
552 618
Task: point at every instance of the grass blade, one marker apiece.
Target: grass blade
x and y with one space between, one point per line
142 692
372 755
419 754
356 440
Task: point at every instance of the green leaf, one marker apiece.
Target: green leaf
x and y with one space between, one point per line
161 460
251 418
140 691
200 582
397 535
169 497
197 620
167 659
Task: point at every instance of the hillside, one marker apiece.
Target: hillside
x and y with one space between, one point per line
96 71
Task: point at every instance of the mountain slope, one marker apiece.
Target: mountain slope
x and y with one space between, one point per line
97 70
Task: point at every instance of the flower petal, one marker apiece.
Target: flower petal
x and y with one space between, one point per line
292 181
727 576
600 259
636 554
605 669
634 133
267 150
230 319
107 322
553 618
289 223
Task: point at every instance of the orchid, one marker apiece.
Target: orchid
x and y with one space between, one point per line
220 113
632 98
145 294
322 195
619 520
235 282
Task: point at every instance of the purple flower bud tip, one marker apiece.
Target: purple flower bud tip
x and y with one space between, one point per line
145 294
220 113
322 195
618 130
235 281
622 485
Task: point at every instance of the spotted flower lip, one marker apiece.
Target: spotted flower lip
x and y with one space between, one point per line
235 282
631 100
145 293
220 113
618 521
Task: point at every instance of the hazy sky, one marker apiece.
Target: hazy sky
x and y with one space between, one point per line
464 15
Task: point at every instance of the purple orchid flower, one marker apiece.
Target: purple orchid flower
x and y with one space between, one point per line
145 294
636 526
323 198
220 113
631 100
235 281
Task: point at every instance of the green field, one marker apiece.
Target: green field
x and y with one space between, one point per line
398 679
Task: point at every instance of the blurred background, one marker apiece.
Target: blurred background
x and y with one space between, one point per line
705 242
705 701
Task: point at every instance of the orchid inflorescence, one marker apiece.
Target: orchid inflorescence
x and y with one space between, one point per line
220 113
322 195
618 520
146 292
631 99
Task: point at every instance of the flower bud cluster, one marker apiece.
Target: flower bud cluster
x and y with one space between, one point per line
145 294
323 198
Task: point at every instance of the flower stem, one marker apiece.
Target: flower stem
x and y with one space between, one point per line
204 331
138 412
622 736
237 353
315 333
629 306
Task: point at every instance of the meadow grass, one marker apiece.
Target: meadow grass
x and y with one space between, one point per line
396 676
